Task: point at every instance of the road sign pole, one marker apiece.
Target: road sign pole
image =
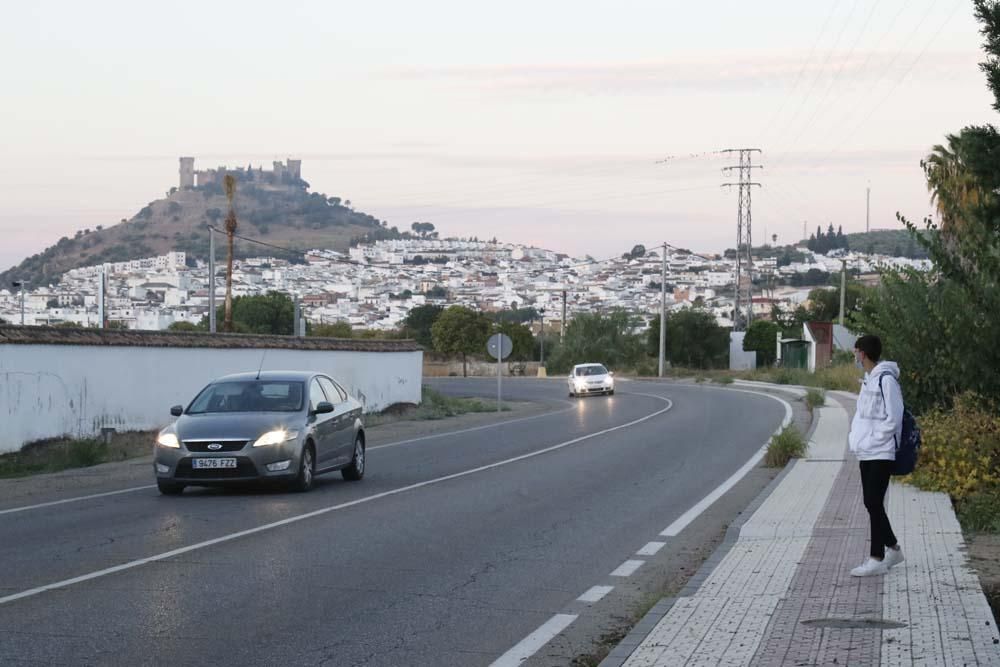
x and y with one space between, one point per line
499 375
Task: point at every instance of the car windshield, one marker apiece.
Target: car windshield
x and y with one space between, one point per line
596 369
249 396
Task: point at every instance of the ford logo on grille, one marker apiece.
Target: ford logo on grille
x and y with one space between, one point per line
215 446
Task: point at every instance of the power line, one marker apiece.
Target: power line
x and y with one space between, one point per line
798 77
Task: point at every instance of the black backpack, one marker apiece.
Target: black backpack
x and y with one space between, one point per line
908 445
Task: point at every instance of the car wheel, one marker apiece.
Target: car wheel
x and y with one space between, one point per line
356 469
307 470
611 393
169 488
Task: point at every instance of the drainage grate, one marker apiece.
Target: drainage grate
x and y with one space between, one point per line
854 623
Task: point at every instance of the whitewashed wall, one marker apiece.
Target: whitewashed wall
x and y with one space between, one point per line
48 391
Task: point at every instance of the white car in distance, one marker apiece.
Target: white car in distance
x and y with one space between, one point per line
591 379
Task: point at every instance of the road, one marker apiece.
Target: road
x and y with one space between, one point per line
452 550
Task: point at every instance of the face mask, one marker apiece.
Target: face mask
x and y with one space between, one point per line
857 362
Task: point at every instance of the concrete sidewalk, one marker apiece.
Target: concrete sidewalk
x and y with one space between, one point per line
779 591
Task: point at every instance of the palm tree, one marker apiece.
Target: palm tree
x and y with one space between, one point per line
953 188
227 323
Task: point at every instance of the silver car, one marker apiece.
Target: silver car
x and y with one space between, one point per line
269 426
590 379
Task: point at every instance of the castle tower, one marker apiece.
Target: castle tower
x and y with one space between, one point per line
187 172
295 168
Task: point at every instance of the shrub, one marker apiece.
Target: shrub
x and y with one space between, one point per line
960 454
785 446
724 379
815 398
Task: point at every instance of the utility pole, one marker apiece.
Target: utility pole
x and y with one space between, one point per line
21 284
843 288
101 288
211 279
562 330
868 209
805 234
663 309
541 337
744 235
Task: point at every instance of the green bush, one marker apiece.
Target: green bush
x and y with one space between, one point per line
785 446
724 379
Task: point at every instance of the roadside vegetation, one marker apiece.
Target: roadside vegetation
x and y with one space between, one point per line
785 446
65 453
815 398
434 405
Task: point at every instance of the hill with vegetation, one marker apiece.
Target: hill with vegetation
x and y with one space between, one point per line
891 242
284 215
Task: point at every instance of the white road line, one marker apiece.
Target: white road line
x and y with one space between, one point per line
390 444
325 510
651 549
628 568
595 593
528 646
685 519
74 499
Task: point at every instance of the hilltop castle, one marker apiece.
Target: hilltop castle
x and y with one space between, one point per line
281 174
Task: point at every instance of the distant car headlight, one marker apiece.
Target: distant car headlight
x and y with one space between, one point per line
275 437
581 384
610 382
168 440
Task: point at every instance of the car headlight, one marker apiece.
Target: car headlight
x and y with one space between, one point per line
275 437
168 440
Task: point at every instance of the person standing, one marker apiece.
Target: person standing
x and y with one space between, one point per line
875 431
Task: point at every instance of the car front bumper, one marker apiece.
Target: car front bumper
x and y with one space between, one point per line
177 464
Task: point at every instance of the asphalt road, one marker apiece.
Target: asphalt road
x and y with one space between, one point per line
450 551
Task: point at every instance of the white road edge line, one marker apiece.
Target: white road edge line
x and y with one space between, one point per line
325 510
682 521
74 499
595 593
628 568
528 646
25 508
651 549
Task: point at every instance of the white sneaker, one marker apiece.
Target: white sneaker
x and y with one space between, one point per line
870 568
893 557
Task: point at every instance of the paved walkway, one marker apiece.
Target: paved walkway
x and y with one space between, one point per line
779 592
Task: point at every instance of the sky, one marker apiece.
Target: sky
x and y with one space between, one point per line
585 127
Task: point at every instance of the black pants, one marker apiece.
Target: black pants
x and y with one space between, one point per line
874 483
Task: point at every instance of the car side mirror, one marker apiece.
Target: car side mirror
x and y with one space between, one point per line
177 410
323 407
611 374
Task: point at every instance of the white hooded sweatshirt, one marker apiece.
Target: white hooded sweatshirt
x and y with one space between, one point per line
878 421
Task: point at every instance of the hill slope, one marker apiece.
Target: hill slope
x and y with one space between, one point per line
287 216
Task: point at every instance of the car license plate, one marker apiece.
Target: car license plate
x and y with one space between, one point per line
211 464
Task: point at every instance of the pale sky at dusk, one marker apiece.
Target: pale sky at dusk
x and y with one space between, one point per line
538 122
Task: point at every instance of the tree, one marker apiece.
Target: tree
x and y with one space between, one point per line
183 326
270 314
419 321
694 339
609 339
231 226
335 330
762 337
521 338
459 330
